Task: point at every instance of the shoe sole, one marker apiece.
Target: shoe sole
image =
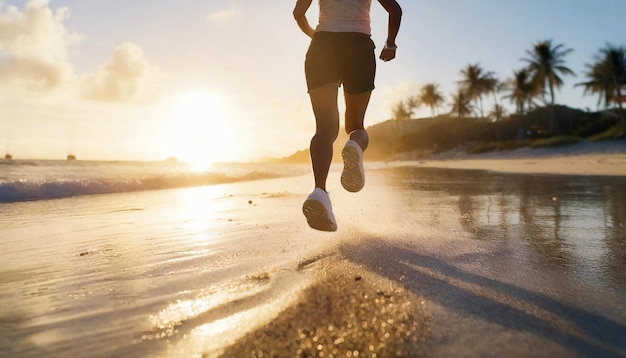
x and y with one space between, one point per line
352 178
317 217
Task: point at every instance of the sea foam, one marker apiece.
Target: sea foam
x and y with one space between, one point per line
43 180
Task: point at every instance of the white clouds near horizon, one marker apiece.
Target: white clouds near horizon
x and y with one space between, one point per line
128 77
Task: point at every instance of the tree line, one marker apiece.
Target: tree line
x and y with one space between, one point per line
530 87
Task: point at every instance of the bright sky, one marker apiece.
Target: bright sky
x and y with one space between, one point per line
220 80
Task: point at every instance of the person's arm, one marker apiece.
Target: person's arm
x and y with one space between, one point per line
395 15
299 13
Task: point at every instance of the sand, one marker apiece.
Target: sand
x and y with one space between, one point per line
347 312
426 262
604 158
351 311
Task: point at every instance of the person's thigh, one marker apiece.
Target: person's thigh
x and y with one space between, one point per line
357 63
325 109
321 65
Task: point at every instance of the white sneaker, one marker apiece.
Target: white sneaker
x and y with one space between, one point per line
319 211
353 175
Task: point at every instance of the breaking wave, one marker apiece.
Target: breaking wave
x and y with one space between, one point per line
43 187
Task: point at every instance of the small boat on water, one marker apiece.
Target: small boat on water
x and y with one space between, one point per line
71 157
8 156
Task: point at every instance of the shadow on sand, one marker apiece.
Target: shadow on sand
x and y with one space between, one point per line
513 308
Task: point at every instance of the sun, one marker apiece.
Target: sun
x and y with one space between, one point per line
201 131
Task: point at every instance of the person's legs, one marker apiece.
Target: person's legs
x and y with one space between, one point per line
317 208
353 175
322 77
356 105
324 103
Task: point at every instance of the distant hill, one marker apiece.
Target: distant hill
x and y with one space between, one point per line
418 138
303 156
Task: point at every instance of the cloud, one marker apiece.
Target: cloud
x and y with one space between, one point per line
33 46
128 77
33 73
224 15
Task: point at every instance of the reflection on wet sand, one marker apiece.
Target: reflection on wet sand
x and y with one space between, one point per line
482 264
615 232
568 221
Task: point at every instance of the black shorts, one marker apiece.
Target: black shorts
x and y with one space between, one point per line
341 57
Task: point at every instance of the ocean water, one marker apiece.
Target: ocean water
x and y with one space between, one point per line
28 180
102 259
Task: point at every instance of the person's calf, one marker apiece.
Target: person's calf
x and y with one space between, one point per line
361 137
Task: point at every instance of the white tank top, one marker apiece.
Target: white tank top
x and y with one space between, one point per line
345 16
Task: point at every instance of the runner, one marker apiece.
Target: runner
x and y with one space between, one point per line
341 53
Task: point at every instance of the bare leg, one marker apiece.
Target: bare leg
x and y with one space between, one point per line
324 102
356 105
353 174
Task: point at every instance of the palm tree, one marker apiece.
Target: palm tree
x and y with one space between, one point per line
522 90
546 64
475 83
400 111
412 103
430 96
600 83
497 113
607 75
498 87
461 104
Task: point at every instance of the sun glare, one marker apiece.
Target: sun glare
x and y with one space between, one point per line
201 133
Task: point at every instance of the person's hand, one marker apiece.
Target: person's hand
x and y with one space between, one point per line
388 54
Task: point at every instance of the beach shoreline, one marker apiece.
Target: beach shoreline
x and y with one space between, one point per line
421 261
586 158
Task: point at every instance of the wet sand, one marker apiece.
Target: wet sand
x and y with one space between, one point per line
483 265
347 312
426 262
